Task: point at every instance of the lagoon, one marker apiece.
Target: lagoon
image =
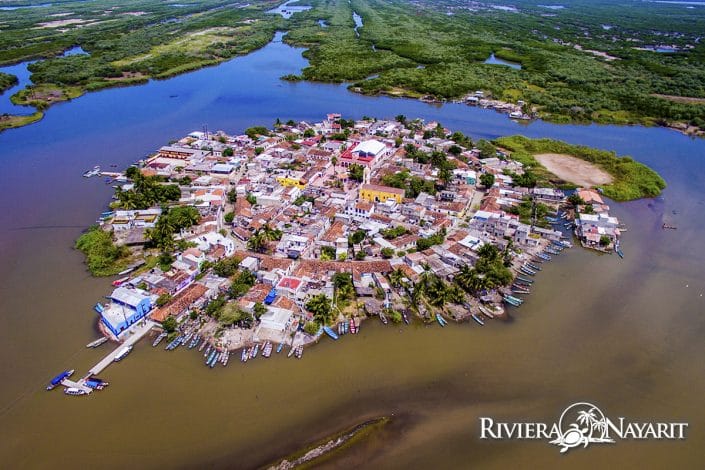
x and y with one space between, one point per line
497 61
622 333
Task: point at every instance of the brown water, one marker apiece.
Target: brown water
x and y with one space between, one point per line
624 334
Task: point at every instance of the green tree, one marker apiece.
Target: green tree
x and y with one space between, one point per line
228 152
356 172
229 217
169 324
320 306
387 252
487 180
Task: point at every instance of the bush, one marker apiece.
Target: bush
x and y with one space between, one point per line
103 257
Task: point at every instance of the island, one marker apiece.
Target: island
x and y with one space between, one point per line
579 63
269 239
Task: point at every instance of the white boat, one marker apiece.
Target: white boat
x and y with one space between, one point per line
75 391
96 343
122 354
93 172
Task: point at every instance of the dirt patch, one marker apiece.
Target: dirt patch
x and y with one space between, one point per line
573 169
59 23
680 99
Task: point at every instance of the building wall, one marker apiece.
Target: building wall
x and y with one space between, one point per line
374 195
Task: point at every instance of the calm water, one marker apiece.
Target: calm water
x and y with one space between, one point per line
624 334
497 61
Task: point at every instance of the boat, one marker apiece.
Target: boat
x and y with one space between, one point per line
512 301
96 384
544 256
486 312
291 351
96 343
226 358
245 355
254 351
57 380
122 354
552 252
159 338
208 351
118 282
620 252
203 344
340 329
353 327
405 317
667 226
383 318
75 391
267 349
478 319
523 279
98 308
441 321
533 266
211 357
299 351
175 343
280 347
527 271
93 172
329 331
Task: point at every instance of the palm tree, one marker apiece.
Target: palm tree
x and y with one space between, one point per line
256 242
395 277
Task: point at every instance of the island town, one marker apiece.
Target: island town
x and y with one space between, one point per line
266 242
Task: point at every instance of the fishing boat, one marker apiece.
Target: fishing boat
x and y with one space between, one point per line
57 380
346 327
486 312
75 391
211 356
329 331
96 343
98 308
383 318
514 299
118 282
441 321
353 327
292 351
667 226
123 353
544 256
525 280
208 351
93 172
526 271
478 319
618 249
552 251
226 358
267 349
533 266
340 329
299 351
510 301
203 344
280 347
159 338
405 317
254 351
96 384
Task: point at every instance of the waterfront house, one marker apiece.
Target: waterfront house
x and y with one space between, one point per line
128 306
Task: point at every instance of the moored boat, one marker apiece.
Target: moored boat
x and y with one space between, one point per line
280 347
122 354
75 391
478 319
96 343
441 321
159 338
57 380
329 331
267 349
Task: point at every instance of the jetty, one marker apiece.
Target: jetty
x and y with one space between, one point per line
134 337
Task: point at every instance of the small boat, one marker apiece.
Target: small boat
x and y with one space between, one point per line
122 354
57 380
441 321
96 343
208 351
620 253
96 384
292 351
543 256
267 349
299 351
203 344
405 317
244 355
226 358
525 280
159 338
211 357
98 308
280 347
75 391
254 351
329 331
667 226
126 271
383 318
353 326
486 312
533 266
527 271
478 319
93 172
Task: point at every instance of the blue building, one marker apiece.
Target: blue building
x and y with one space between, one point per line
128 306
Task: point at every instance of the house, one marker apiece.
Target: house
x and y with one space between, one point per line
377 193
128 306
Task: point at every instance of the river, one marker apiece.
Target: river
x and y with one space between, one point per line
624 334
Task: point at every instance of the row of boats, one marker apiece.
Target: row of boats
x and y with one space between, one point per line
521 284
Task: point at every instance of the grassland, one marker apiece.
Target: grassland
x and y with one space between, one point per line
7 81
630 179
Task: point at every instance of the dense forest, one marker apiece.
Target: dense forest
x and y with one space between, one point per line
580 61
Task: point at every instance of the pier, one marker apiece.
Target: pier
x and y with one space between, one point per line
134 337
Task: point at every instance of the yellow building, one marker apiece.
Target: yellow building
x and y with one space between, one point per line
376 193
291 181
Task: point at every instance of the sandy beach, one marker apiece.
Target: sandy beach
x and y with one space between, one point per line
573 169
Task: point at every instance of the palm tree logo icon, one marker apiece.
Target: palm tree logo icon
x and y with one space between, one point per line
588 425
